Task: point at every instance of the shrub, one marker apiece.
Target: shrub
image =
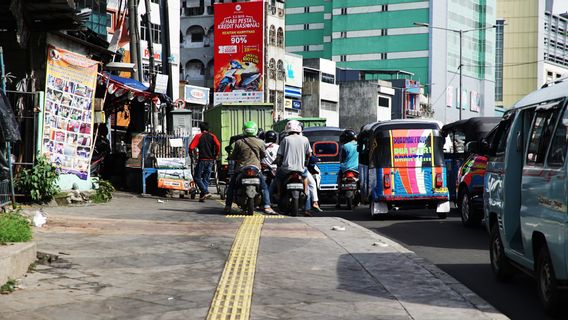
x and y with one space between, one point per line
14 227
104 191
39 182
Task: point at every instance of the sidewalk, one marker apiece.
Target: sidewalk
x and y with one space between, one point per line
136 258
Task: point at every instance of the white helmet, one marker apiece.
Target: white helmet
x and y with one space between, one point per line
294 126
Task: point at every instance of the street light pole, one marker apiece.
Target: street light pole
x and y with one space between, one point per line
460 32
461 73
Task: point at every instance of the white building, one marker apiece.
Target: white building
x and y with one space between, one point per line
156 28
294 66
320 96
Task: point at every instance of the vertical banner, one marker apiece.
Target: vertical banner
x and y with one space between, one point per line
68 114
239 52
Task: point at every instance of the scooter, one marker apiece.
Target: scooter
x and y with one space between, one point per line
293 194
248 195
349 188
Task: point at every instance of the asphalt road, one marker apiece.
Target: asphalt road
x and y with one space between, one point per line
461 252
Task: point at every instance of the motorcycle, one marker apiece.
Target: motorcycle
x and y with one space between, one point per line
294 194
248 195
349 188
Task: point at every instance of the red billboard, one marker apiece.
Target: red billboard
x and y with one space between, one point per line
239 39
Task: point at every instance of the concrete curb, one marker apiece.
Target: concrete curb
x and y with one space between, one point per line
15 259
467 295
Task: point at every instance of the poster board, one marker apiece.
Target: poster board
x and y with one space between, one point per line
67 139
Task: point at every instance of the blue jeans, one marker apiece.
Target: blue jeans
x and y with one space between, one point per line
263 189
203 174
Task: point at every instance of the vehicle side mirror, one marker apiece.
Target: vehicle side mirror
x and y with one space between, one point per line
472 147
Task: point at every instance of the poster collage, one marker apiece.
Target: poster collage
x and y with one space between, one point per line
68 119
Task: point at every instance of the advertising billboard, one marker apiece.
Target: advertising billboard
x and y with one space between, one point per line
68 111
294 70
239 38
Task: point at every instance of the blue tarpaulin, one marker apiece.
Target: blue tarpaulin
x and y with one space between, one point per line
128 82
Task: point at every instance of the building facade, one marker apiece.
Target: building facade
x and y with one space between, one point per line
320 92
381 35
534 48
368 101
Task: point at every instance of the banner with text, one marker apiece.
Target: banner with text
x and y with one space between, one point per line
68 113
239 52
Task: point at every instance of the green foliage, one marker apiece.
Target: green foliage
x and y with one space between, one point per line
39 182
104 191
14 227
8 287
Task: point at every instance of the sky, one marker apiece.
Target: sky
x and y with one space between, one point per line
560 6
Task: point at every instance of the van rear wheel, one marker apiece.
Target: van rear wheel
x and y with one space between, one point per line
547 283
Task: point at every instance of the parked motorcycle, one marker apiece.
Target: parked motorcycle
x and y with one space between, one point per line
294 194
248 195
349 188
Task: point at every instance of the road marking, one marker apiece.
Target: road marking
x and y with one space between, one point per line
233 296
256 213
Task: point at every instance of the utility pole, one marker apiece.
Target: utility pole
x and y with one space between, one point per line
166 53
134 38
461 72
146 19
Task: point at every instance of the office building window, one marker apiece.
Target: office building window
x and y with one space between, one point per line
156 32
499 37
327 78
328 105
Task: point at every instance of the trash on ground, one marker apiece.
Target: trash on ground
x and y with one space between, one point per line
160 201
171 298
380 244
39 219
338 228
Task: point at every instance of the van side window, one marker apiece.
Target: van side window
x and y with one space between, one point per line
557 153
498 142
541 133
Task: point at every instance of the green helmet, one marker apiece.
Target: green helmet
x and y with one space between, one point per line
250 128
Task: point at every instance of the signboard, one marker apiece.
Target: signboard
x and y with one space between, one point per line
294 70
239 52
412 86
475 101
67 138
161 85
411 148
179 179
197 95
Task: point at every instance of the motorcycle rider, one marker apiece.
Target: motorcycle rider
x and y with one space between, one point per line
271 148
248 151
293 154
348 157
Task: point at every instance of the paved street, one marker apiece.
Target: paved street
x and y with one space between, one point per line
137 258
461 252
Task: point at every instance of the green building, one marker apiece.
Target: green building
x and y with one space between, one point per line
382 35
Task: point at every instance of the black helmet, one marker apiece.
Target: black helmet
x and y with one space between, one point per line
260 134
270 136
347 136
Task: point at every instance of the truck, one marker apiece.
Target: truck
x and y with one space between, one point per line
306 122
225 121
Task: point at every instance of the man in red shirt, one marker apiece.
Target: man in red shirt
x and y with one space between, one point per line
208 151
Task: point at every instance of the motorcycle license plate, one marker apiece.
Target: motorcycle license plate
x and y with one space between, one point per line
351 186
295 186
250 181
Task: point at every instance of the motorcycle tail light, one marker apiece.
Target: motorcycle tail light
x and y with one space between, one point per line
387 181
439 180
350 175
250 173
295 177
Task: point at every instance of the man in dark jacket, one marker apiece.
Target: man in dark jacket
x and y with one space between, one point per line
208 151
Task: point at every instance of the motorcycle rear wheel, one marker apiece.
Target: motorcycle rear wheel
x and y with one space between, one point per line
295 207
250 206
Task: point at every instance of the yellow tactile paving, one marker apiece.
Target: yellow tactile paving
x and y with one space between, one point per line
233 296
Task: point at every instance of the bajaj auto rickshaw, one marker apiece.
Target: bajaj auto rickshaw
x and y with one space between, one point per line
466 167
364 141
406 167
325 146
